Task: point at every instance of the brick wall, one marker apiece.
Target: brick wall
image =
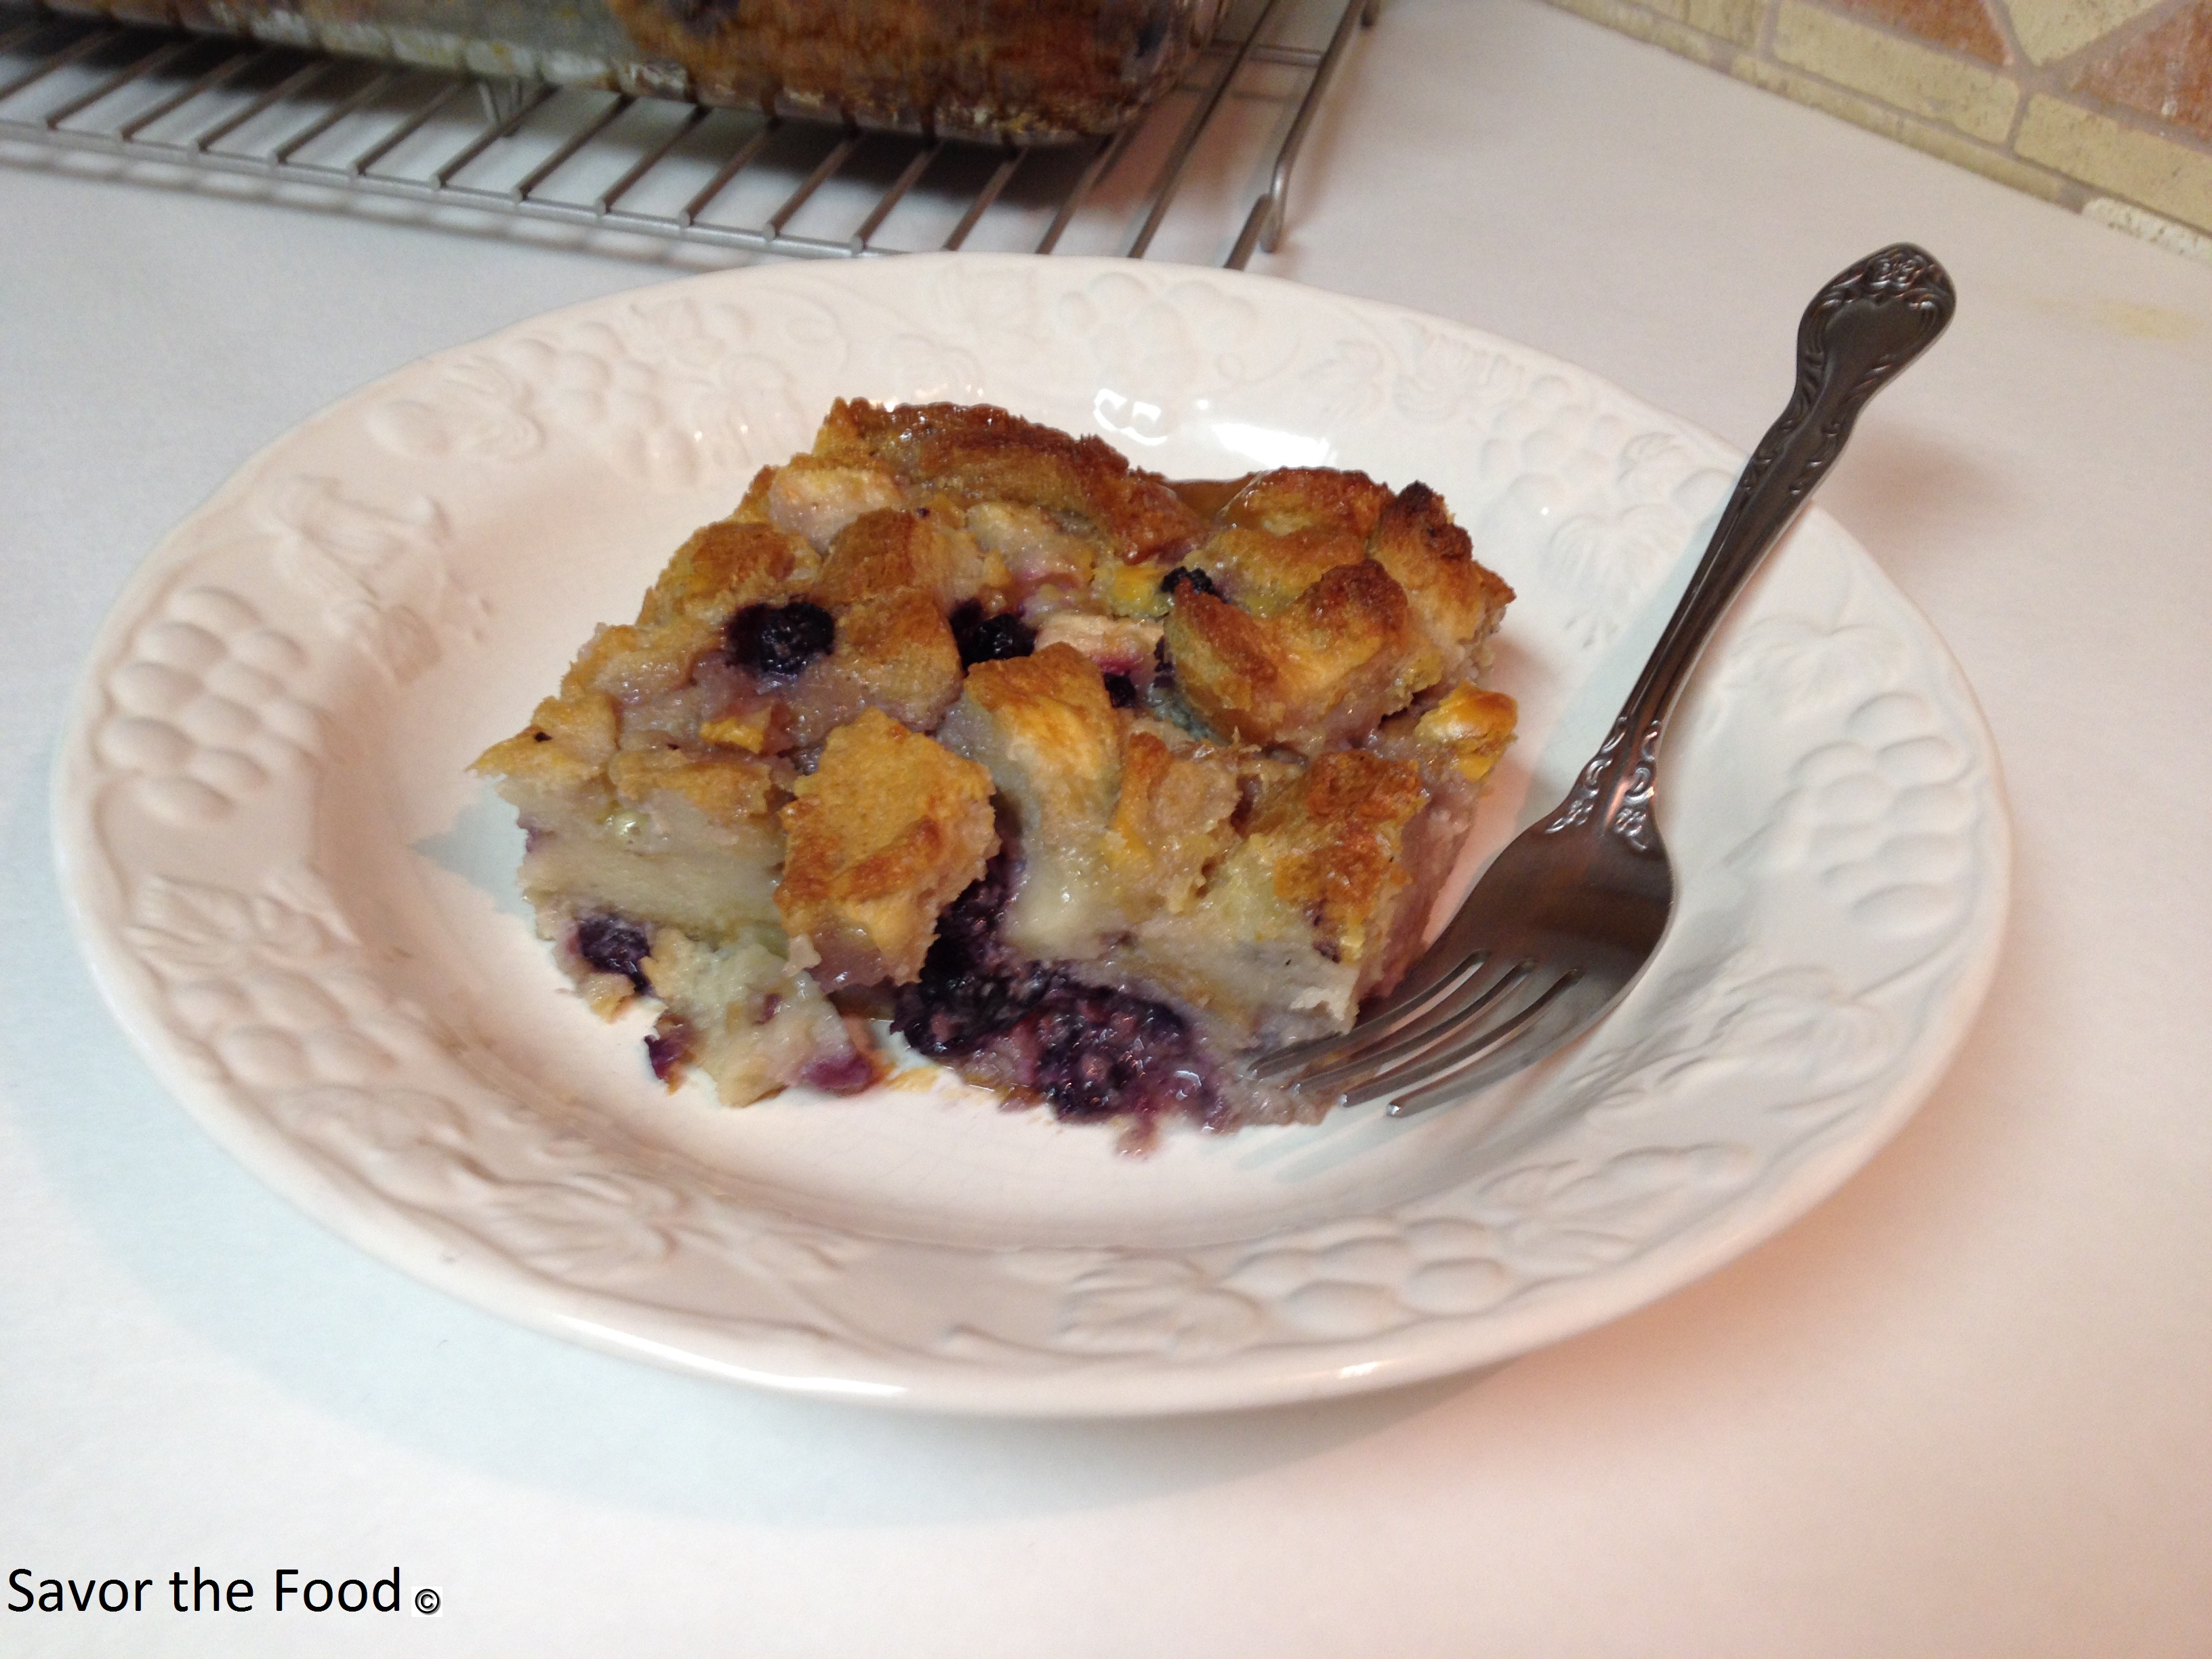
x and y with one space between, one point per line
2101 106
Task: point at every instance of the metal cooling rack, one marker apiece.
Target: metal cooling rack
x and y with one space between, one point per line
718 178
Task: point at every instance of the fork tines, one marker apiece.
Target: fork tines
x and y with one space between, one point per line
1428 1050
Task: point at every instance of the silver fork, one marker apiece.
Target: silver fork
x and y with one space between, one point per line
1569 913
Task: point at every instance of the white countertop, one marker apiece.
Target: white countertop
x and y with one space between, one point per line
1960 1409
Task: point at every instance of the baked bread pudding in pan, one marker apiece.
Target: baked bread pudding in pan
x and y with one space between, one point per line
1083 783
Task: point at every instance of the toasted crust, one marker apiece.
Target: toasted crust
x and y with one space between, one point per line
1173 819
1336 603
1050 719
1347 654
901 656
1051 737
975 452
723 567
1336 837
1459 601
888 830
1295 498
1057 677
632 664
727 790
1264 572
892 552
530 763
584 723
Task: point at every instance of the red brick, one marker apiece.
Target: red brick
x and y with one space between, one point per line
2166 74
1962 25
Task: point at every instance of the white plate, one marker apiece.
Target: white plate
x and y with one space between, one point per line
302 910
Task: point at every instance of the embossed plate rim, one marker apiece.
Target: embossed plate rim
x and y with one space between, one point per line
1182 1373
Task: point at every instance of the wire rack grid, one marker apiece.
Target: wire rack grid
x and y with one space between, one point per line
734 180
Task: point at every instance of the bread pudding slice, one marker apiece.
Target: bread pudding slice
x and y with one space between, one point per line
1086 784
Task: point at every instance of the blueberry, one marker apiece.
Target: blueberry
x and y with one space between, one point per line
1184 576
989 639
616 944
781 638
1120 690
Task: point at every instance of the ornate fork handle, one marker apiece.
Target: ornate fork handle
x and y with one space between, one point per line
1860 329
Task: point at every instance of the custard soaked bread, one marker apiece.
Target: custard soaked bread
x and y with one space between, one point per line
1086 782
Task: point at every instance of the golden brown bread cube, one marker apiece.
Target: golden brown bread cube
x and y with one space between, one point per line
1295 498
888 830
900 656
891 551
1348 653
724 567
1264 572
975 453
1335 839
1172 819
1458 602
1051 738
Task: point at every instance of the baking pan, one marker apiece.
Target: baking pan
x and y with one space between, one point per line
1026 71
